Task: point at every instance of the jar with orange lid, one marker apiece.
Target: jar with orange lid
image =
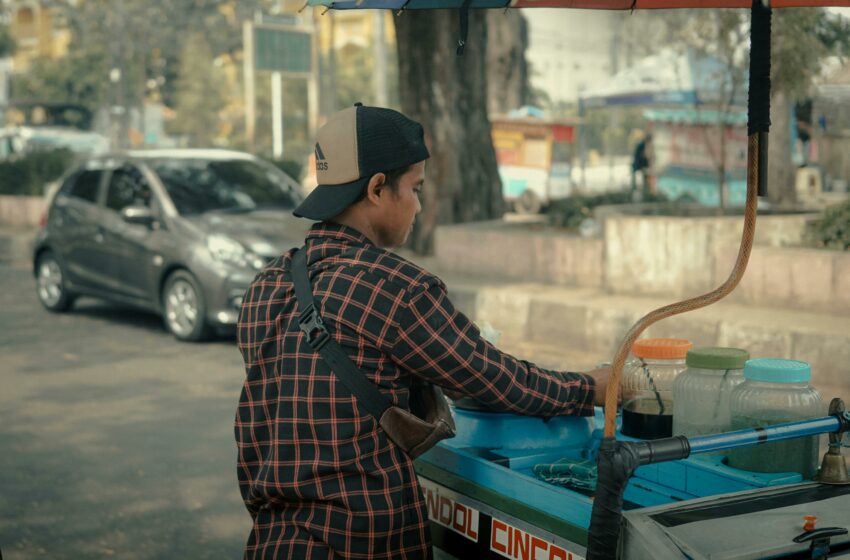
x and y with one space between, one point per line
648 386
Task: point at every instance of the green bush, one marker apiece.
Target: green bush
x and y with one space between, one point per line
569 212
29 174
833 230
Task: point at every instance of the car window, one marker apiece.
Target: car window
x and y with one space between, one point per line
197 186
127 187
83 185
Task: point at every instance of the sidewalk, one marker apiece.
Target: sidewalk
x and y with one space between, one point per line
16 245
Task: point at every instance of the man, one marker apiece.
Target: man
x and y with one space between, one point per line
641 164
319 476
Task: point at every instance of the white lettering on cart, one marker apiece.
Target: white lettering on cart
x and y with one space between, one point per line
444 509
515 543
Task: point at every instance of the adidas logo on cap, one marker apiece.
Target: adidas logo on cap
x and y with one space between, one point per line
321 161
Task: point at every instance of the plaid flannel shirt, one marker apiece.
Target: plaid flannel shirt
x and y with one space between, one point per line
316 472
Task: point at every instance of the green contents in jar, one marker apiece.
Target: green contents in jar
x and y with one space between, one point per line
790 455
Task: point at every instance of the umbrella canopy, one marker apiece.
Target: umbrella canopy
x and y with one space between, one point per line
584 4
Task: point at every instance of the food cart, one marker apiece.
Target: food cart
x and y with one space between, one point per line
672 497
535 157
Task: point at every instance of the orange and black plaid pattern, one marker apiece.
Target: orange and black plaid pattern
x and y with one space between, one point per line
318 475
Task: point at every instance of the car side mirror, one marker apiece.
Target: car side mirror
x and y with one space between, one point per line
137 214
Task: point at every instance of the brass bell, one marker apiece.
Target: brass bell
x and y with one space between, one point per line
833 469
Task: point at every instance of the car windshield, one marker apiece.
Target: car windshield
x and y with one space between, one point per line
197 186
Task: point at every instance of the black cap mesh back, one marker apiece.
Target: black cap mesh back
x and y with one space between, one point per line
387 140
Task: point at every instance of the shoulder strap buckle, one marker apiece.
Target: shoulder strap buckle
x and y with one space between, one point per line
310 323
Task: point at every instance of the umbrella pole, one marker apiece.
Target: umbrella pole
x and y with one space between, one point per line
617 460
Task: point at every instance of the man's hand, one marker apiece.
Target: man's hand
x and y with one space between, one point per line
600 376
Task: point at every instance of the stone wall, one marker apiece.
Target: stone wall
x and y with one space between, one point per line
21 210
662 255
514 252
656 256
807 279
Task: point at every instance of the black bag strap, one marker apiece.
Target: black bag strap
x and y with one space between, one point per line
310 322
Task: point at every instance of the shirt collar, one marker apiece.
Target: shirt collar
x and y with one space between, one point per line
324 230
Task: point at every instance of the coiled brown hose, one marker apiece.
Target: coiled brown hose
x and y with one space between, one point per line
693 303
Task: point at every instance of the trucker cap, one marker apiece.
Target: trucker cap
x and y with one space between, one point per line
351 147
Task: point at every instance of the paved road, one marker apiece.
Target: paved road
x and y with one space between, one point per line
115 440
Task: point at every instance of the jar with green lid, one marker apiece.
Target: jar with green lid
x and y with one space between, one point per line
776 391
648 386
701 394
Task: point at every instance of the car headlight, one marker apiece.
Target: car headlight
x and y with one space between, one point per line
227 250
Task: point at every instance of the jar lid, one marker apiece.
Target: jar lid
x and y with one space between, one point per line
777 370
717 358
662 348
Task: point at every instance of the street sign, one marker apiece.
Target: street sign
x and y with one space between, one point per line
283 49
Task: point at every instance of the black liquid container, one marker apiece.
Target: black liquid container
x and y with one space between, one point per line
648 386
646 426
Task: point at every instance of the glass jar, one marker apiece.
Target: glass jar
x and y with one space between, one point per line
775 391
701 394
648 386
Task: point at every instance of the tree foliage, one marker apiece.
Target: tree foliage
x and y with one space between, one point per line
142 39
832 231
28 174
80 78
199 95
7 42
354 70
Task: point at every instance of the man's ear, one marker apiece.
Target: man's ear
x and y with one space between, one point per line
375 187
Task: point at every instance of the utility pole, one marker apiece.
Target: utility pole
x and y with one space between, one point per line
277 115
118 110
313 108
248 78
331 83
380 52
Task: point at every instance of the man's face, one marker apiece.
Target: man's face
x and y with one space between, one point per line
394 218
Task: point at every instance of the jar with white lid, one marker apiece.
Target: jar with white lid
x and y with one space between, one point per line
701 394
648 386
776 391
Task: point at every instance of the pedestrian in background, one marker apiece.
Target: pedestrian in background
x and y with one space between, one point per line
641 163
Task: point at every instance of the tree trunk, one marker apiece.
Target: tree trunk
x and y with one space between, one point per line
507 69
781 170
448 95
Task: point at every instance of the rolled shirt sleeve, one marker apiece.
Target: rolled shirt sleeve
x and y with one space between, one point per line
441 345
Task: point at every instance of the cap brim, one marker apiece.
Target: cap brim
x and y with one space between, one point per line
327 201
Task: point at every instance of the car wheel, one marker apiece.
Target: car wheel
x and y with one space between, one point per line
528 203
50 284
184 310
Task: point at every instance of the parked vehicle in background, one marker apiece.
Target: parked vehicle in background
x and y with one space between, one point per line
34 126
535 157
15 141
178 232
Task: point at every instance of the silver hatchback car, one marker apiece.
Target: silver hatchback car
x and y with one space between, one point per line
179 232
